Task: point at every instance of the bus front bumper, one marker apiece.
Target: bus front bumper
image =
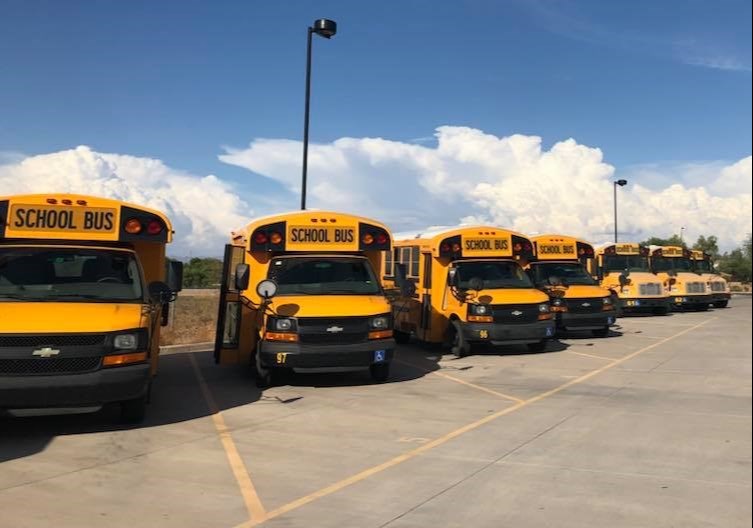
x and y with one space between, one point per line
648 304
720 296
586 321
295 355
679 302
74 390
509 334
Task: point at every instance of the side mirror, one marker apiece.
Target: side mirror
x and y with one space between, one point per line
407 287
266 289
453 278
554 281
476 284
160 293
175 275
624 280
242 277
672 273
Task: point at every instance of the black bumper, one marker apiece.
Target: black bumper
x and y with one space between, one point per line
721 296
74 390
586 321
690 301
638 305
295 355
509 334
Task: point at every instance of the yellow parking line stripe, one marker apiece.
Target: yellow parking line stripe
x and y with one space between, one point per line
363 475
462 382
590 355
251 499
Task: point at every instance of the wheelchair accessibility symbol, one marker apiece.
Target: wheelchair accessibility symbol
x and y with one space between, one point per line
549 331
379 356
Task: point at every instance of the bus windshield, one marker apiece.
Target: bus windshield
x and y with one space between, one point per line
703 266
625 262
569 272
660 264
495 274
64 274
323 276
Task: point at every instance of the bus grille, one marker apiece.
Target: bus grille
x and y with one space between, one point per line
696 287
69 340
333 331
40 366
718 286
584 306
652 288
515 313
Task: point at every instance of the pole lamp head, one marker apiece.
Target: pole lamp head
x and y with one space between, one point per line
325 28
621 183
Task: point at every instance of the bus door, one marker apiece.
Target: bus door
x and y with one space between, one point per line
227 339
426 312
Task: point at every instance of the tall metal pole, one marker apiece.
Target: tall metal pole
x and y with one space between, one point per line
306 121
615 211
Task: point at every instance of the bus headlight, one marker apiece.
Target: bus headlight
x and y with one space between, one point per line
126 342
479 309
284 325
381 322
544 307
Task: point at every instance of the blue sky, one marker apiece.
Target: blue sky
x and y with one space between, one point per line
651 84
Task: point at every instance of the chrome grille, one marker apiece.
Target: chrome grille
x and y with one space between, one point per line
515 313
584 306
652 288
718 286
333 331
696 287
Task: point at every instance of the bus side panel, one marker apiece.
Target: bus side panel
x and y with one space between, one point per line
152 257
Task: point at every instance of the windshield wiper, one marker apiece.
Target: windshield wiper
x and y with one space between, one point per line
13 296
73 295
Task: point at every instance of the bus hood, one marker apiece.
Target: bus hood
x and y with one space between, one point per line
65 317
512 296
581 291
330 305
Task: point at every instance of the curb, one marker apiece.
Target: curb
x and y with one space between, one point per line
183 349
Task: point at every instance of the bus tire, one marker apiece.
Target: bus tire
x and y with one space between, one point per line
264 377
458 344
539 346
721 304
133 411
401 338
380 372
601 332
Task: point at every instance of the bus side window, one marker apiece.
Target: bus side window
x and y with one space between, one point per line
427 270
415 255
389 265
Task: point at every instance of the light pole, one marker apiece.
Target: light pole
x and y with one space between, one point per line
327 29
682 235
621 183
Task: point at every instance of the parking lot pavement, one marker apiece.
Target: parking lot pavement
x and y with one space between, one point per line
648 427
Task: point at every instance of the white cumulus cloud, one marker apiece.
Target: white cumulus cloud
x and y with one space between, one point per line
471 176
203 209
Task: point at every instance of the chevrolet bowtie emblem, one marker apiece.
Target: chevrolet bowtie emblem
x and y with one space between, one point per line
517 313
45 352
335 329
586 304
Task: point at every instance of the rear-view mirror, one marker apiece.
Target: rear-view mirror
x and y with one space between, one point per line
160 293
242 277
266 289
175 275
453 278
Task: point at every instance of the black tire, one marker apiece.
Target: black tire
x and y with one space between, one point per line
401 338
267 377
537 347
601 332
133 411
721 304
380 372
458 344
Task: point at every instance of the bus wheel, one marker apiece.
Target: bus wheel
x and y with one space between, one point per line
721 304
133 411
458 345
380 372
601 332
401 338
537 347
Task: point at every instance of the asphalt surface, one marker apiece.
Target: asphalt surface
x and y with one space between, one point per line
649 427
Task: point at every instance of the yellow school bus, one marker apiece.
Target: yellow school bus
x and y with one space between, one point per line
715 283
82 299
301 291
687 289
577 299
469 288
624 268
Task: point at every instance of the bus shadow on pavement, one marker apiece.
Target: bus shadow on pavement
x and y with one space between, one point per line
176 397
